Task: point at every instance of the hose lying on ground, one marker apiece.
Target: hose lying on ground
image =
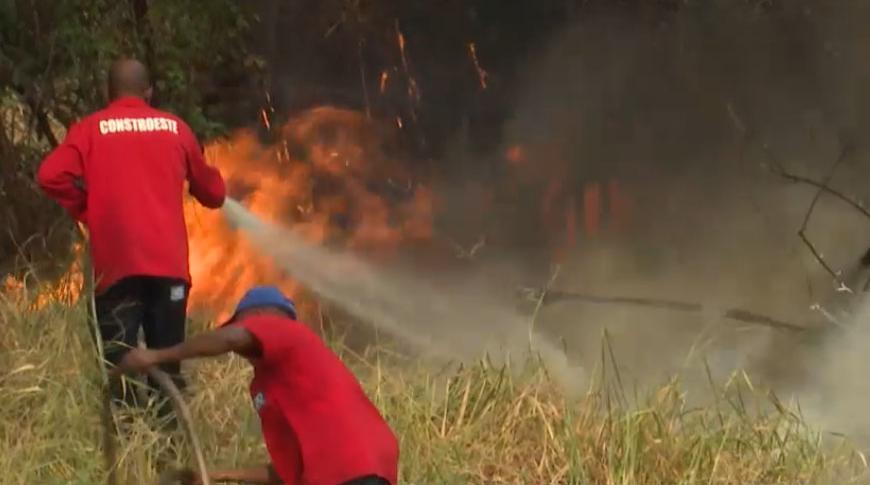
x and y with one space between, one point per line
183 414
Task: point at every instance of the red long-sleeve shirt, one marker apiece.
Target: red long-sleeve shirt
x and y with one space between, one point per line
319 426
122 171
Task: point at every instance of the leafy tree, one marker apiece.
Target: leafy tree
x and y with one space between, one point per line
53 59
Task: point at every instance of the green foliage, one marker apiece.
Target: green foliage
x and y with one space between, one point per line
54 54
53 60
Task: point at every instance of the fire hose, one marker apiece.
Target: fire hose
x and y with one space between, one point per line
184 416
106 417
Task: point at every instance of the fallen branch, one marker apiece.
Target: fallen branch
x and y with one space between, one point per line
545 297
747 316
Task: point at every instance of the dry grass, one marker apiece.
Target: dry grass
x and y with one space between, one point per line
475 424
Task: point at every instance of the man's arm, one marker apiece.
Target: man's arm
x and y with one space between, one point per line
263 474
231 338
61 174
206 183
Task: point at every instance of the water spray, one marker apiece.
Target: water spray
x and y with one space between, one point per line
460 321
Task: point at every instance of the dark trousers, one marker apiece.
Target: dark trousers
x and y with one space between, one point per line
159 307
369 480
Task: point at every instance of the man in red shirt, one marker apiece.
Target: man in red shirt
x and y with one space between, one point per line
121 171
318 424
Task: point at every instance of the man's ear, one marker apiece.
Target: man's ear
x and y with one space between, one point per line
149 93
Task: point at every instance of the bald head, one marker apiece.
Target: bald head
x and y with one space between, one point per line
129 77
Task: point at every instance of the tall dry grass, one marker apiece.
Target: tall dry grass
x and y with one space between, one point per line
479 423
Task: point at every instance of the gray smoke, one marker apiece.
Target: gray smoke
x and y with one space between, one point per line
459 321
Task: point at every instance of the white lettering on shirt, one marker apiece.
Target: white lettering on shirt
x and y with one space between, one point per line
138 125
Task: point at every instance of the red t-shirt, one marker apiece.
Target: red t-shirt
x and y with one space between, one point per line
122 172
319 426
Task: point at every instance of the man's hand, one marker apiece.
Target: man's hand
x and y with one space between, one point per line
262 474
207 344
137 361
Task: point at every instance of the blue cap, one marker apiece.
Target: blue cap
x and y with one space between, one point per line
264 296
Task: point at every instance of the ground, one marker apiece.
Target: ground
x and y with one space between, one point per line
477 423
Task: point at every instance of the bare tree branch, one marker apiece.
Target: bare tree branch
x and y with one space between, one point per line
844 153
43 124
779 170
40 117
823 187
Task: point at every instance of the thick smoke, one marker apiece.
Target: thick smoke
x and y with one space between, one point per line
837 393
692 113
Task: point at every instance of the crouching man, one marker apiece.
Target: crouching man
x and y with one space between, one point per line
319 426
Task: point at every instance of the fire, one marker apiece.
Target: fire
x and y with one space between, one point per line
482 75
328 177
571 210
65 290
413 88
385 78
516 154
265 117
331 177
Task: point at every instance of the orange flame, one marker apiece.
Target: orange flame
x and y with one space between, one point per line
65 290
265 117
413 89
385 77
328 178
600 207
482 75
516 154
